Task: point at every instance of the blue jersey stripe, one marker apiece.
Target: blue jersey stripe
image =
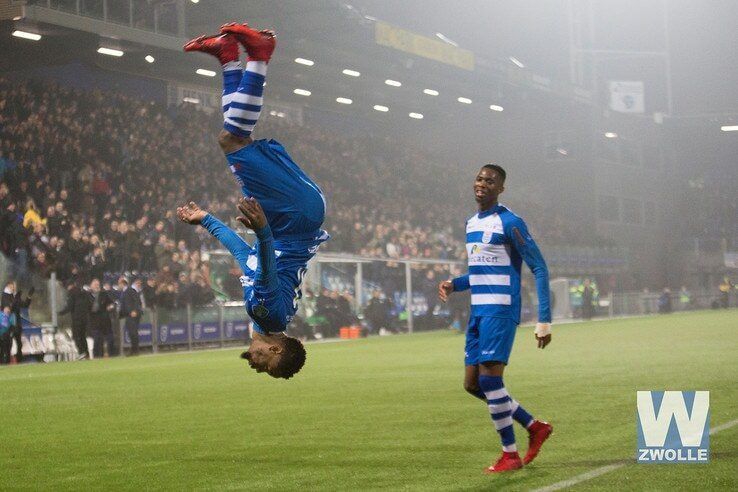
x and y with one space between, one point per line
491 289
489 270
476 237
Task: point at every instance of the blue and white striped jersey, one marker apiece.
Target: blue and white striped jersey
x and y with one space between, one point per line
497 242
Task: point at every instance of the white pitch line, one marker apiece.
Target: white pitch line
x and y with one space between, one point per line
614 466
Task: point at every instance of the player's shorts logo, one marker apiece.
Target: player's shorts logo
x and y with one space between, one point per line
260 311
673 426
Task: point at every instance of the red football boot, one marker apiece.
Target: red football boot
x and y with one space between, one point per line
538 432
259 45
221 46
507 462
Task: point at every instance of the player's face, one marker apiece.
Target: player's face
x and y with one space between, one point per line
487 187
263 356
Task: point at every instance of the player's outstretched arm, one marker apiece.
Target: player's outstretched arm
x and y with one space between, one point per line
253 217
191 213
455 285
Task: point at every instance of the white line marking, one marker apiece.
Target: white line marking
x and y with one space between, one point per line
614 466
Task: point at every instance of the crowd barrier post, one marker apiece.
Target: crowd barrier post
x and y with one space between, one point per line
221 325
189 327
409 298
358 287
53 300
154 331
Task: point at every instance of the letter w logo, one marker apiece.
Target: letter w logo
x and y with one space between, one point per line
655 426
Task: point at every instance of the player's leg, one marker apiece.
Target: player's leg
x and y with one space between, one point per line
245 103
471 382
496 337
471 359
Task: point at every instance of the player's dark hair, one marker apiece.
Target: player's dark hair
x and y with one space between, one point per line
494 167
292 358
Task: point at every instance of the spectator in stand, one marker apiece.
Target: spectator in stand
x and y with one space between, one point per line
587 299
7 320
101 309
132 306
664 302
378 312
78 306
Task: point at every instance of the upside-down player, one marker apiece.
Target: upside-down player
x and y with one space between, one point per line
283 206
497 242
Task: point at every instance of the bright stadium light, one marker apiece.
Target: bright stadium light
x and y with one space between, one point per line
343 100
729 128
611 135
305 61
27 35
351 73
150 59
302 92
206 73
380 108
496 107
430 92
393 83
417 116
517 62
111 52
192 100
195 1
446 39
464 100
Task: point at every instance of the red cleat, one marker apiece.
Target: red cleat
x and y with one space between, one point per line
507 462
538 432
221 46
259 45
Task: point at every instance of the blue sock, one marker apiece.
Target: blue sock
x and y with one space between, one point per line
232 75
245 104
520 415
500 409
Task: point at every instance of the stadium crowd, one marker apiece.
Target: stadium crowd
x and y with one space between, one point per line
89 181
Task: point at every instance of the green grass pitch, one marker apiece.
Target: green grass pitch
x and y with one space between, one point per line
380 413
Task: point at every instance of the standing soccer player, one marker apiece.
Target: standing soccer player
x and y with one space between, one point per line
497 242
281 204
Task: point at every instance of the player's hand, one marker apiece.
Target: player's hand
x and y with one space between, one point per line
253 215
191 213
543 334
444 289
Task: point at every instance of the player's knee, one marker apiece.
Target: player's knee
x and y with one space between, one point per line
470 387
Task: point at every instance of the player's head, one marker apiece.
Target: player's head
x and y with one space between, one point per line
488 185
278 355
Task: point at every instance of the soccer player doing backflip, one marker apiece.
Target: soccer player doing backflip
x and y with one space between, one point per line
281 204
497 242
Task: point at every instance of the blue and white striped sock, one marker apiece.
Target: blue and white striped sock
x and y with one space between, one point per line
232 75
245 104
520 415
500 408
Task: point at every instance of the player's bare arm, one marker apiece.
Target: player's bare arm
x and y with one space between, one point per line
543 334
252 214
191 213
444 289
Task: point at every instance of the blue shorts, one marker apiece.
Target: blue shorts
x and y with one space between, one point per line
293 204
489 339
